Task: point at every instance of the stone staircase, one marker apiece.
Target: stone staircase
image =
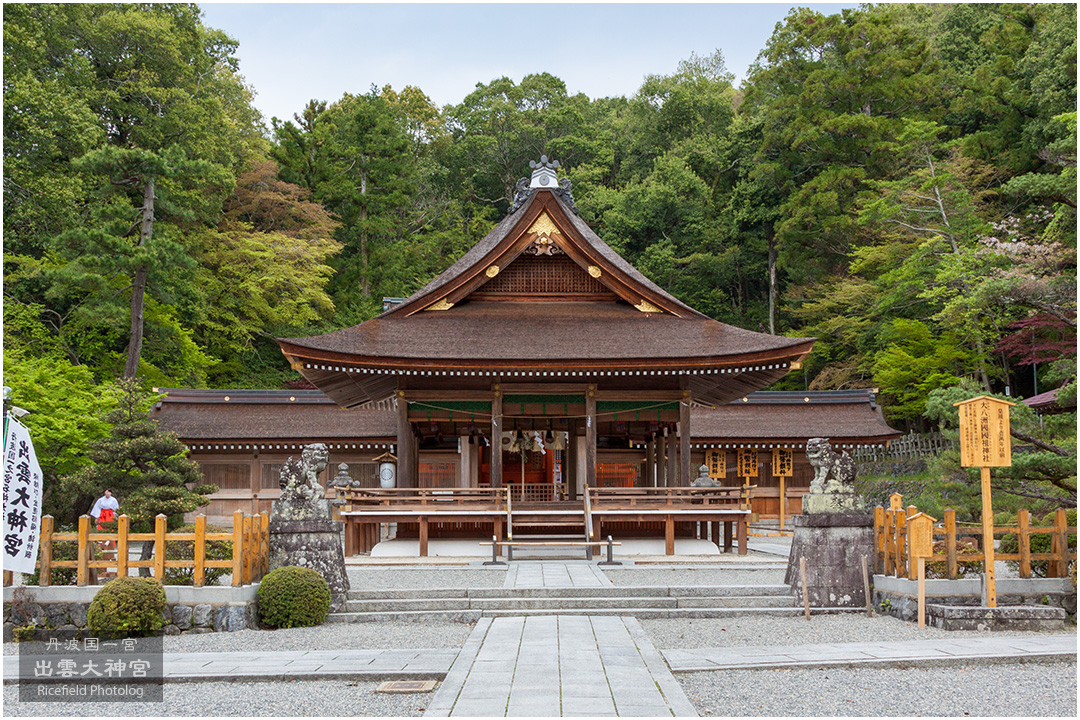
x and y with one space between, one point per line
468 605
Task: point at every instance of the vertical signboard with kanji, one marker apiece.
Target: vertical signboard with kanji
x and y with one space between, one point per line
985 443
747 463
22 499
716 460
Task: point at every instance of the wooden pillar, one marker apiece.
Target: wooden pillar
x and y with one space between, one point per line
742 534
590 437
684 441
727 536
672 461
408 464
669 535
661 460
496 464
650 463
570 462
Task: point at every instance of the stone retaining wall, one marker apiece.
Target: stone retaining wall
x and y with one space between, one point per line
899 596
189 611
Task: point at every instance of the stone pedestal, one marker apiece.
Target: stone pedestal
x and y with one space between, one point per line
314 544
833 545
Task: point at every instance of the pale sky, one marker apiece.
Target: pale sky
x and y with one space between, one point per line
294 52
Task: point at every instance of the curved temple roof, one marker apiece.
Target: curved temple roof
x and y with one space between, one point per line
458 324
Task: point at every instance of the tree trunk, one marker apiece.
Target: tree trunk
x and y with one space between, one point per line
772 283
138 286
365 275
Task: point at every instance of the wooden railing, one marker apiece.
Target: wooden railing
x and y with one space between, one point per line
892 546
738 496
360 498
249 562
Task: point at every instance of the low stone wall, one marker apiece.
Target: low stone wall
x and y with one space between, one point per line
190 610
899 597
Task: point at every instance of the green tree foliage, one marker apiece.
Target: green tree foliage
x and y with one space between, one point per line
145 468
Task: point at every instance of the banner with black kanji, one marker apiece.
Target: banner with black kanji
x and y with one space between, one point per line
22 499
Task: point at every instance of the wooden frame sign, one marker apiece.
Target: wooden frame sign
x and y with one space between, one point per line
747 463
985 443
984 432
716 460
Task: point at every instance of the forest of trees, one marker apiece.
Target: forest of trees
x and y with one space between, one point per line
898 181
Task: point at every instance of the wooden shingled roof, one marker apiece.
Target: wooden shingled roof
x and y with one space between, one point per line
542 291
774 418
205 416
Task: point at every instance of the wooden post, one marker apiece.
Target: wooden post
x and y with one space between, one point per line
805 590
45 570
590 436
650 463
716 534
123 524
159 547
249 549
950 543
264 544
199 572
1060 526
495 465
423 537
669 535
82 573
238 549
727 536
922 592
989 583
407 469
866 587
1023 522
661 460
684 441
741 530
783 502
879 540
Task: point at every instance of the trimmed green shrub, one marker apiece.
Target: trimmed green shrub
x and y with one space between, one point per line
293 597
127 607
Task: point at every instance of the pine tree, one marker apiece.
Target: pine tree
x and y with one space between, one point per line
146 469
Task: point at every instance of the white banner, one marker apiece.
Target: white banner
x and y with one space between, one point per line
22 499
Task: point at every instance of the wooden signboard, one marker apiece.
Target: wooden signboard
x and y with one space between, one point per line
716 460
747 463
984 443
783 462
920 547
984 432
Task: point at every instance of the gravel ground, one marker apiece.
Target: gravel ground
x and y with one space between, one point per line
339 698
634 576
388 578
848 627
1027 690
343 636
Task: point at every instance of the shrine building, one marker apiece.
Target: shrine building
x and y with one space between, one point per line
541 362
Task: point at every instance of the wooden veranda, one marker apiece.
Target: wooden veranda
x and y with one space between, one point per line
492 512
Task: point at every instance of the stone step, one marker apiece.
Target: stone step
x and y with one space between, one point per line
646 613
567 603
561 592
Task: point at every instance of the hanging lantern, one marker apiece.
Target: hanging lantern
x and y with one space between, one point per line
387 470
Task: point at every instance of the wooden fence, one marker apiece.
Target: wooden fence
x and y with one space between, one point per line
892 546
250 549
910 447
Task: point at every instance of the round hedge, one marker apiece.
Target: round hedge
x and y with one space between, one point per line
127 607
293 596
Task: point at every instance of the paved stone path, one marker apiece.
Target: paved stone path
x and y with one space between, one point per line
555 574
878 654
552 666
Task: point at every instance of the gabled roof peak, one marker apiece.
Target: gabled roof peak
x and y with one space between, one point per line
543 178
